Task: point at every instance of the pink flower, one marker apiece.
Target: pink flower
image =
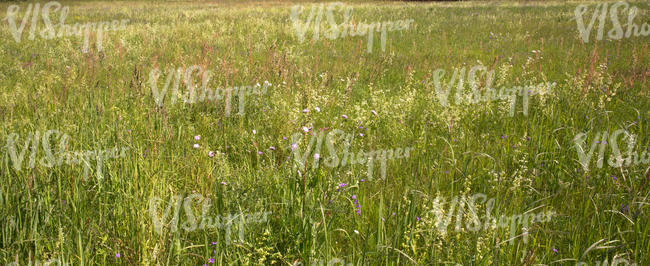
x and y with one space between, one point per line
344 116
197 137
272 148
211 153
316 156
373 112
254 131
304 111
294 146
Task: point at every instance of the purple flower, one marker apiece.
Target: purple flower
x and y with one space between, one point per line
214 243
354 196
272 148
344 116
117 255
211 153
197 137
259 152
358 211
416 217
316 156
196 145
363 180
284 138
210 260
613 176
342 184
555 250
294 146
393 213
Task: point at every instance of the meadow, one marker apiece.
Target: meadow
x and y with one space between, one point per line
94 171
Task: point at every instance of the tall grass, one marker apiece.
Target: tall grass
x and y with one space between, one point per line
102 99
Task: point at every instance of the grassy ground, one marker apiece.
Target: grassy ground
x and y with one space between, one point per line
526 163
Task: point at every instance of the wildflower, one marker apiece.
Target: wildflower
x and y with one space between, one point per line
316 156
361 134
117 255
196 145
317 109
211 154
555 250
210 260
363 180
254 131
358 211
306 129
284 138
272 148
259 152
393 213
373 112
304 111
223 183
214 243
342 184
294 146
197 137
344 116
416 217
356 232
354 196
613 176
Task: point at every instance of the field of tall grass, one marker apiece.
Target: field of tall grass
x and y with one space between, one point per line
94 171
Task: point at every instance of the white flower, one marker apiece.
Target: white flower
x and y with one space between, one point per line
317 109
254 131
306 129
